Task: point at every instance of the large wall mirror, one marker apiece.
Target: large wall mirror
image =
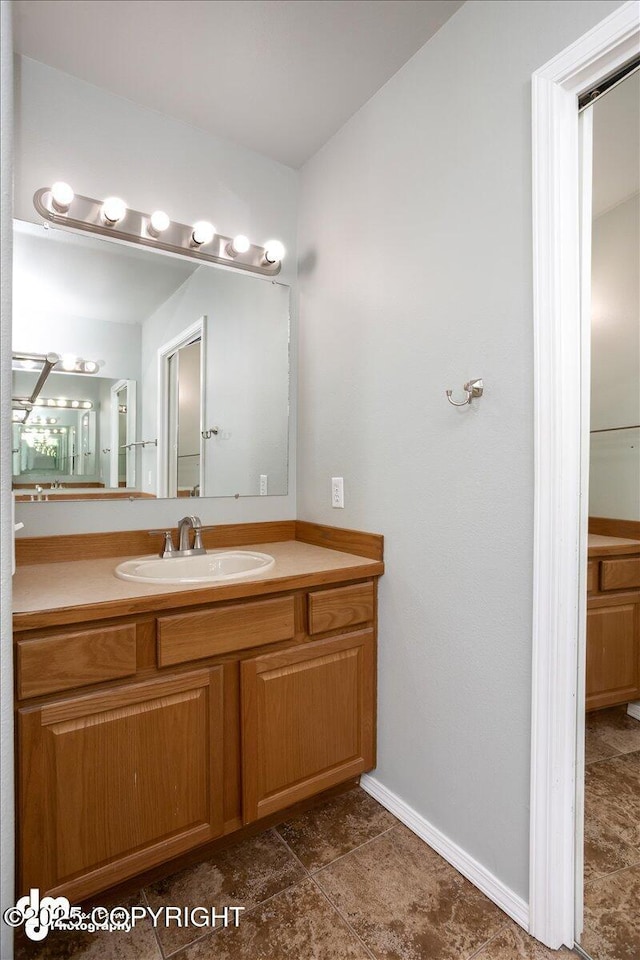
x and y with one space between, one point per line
168 378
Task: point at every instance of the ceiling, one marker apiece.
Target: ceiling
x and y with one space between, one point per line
277 76
616 145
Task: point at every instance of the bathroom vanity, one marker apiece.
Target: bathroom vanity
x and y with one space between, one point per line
153 719
613 621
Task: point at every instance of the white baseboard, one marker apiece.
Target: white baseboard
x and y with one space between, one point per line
633 709
513 905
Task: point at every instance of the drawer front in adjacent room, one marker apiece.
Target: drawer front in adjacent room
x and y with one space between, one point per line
623 573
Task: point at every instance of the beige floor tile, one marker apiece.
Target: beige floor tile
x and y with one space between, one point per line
604 850
612 916
298 924
241 876
407 903
333 829
616 728
596 748
513 943
612 795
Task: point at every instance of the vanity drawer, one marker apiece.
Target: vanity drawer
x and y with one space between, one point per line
340 607
592 576
191 636
64 661
620 574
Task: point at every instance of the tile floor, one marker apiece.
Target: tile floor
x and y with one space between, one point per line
612 836
345 881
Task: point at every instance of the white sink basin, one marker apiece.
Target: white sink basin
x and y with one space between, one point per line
206 568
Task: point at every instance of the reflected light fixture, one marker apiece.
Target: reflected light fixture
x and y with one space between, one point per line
113 210
273 251
199 240
64 402
158 223
203 232
69 361
61 196
239 244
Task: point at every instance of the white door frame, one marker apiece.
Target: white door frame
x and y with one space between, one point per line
561 383
197 331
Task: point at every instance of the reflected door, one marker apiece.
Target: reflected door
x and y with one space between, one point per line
184 421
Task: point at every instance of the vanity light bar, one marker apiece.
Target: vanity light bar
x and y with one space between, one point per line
60 402
67 363
112 218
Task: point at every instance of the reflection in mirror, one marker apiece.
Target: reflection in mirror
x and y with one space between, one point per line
191 394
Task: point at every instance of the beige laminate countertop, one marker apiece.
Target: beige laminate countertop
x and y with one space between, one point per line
50 594
601 546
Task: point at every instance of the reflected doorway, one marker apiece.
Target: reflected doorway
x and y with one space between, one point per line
181 402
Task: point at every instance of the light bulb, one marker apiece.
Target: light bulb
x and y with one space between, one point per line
69 361
89 366
87 404
39 403
203 232
113 209
273 251
61 196
62 403
239 244
158 223
51 403
75 403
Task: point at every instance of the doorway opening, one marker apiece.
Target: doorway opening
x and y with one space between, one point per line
561 440
609 873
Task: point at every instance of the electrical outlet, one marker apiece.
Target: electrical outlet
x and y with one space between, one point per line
337 492
263 485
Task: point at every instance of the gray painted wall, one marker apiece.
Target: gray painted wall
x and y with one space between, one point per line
6 648
415 276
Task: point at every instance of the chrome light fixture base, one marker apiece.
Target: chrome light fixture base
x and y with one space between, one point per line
85 213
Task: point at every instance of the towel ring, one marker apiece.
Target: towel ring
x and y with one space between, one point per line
473 390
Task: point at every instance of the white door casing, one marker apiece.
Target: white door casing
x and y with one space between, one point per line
561 382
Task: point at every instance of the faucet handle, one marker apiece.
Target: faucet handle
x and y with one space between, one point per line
168 549
197 538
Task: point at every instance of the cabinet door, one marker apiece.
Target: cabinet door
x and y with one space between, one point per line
613 654
308 719
113 783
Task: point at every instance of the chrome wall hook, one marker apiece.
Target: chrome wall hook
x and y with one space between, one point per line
211 432
473 389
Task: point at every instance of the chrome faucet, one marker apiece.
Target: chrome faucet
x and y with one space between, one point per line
184 549
184 525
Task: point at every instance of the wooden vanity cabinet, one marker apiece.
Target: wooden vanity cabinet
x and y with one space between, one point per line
217 716
120 780
307 720
613 630
613 653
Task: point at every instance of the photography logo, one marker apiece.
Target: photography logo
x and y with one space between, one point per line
40 916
